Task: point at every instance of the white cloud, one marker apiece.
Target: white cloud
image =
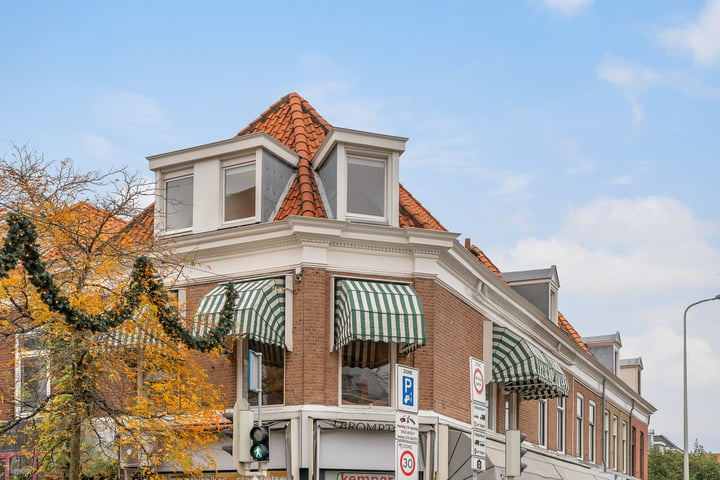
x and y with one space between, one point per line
97 147
129 110
627 75
630 78
511 184
624 247
661 351
632 265
566 7
701 37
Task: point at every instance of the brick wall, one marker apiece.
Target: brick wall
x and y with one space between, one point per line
7 377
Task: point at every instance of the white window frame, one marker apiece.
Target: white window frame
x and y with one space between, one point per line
342 197
606 438
615 441
492 395
180 175
542 423
235 163
561 424
579 420
623 455
21 355
592 431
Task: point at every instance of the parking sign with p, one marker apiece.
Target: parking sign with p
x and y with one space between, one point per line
407 388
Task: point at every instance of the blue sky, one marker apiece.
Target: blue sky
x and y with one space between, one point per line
567 132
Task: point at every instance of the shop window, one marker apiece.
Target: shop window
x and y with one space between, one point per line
239 199
561 424
366 368
273 374
542 422
592 432
179 203
32 377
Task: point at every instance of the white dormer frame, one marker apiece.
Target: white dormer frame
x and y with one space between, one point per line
364 145
206 164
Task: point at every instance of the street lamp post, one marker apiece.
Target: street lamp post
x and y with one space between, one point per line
686 461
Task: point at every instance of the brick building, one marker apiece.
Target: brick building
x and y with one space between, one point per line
343 275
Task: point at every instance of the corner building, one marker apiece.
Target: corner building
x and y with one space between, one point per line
342 274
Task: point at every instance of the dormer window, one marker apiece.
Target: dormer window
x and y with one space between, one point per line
224 184
358 172
239 201
366 189
179 203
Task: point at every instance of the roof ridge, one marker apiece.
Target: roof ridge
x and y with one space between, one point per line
293 98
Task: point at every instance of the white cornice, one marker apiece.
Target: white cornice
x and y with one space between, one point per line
221 149
359 138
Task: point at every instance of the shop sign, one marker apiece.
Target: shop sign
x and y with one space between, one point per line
339 475
357 425
271 475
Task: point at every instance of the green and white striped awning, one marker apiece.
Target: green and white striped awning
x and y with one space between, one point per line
522 367
378 312
259 311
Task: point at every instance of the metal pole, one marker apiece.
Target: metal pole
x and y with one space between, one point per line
686 459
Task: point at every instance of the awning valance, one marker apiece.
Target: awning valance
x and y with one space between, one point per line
259 310
522 367
378 312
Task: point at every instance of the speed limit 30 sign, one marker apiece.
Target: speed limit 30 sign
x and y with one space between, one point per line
406 461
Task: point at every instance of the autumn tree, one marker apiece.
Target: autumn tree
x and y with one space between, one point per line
100 357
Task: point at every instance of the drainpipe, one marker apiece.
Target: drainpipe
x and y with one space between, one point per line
603 428
632 442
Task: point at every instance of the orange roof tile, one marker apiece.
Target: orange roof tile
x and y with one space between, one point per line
413 214
296 124
565 325
141 228
480 255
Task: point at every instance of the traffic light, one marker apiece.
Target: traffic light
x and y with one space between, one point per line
514 453
260 448
242 422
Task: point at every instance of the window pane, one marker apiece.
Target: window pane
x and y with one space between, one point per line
239 192
366 373
366 187
34 380
179 203
273 358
